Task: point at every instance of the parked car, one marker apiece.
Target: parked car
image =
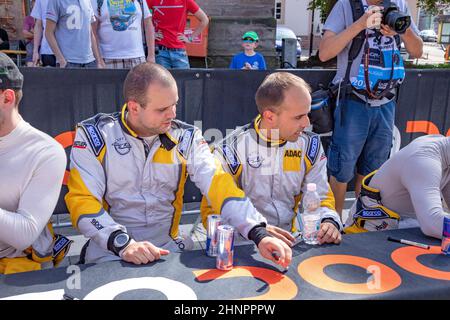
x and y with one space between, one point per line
428 35
286 33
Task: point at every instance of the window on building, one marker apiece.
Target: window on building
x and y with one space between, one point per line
279 11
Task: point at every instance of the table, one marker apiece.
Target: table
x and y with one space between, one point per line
364 266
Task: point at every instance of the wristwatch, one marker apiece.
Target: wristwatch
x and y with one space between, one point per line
117 241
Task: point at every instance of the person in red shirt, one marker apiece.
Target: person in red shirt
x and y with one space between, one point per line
169 18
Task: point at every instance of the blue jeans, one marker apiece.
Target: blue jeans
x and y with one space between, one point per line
90 65
173 59
362 138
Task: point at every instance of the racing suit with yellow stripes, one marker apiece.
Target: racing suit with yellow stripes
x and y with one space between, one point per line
274 174
119 181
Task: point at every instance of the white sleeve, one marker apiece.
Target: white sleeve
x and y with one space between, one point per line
37 202
37 12
422 179
147 13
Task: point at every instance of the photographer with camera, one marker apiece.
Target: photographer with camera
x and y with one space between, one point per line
365 36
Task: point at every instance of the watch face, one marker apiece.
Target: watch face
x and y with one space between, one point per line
121 240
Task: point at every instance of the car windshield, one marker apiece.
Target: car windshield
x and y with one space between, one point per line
285 34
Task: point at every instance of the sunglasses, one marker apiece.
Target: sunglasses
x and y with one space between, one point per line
248 40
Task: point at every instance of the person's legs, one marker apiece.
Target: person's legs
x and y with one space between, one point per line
379 141
179 59
163 58
349 136
339 189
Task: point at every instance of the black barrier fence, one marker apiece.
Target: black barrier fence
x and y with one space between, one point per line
56 99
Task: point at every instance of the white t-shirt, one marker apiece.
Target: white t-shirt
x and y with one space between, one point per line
39 12
120 28
32 167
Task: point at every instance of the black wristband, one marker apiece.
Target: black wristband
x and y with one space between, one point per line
332 221
258 233
112 237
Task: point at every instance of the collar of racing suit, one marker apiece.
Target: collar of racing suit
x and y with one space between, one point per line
167 140
261 138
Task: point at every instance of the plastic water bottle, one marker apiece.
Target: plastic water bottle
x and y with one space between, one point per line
311 216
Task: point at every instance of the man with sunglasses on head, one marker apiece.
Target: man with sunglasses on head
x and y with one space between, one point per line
249 59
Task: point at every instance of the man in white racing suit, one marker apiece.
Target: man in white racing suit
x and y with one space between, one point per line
273 159
413 184
128 171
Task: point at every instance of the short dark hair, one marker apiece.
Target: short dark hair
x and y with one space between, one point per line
270 93
140 77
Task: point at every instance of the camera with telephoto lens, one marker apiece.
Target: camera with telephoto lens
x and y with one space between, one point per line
395 19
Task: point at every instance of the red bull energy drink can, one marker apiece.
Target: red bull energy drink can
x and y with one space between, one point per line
213 222
445 246
225 248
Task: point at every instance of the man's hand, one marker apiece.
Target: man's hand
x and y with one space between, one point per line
183 38
328 233
101 64
371 19
159 35
275 250
62 63
36 58
387 31
142 252
281 234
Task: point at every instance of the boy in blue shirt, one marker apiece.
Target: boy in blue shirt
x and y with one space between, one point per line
249 59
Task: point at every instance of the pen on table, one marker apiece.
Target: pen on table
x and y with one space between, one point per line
276 256
411 243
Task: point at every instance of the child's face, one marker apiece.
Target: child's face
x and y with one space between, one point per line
249 44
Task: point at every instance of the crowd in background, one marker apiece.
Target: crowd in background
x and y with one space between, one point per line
118 34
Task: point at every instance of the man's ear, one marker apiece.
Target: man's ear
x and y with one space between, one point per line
269 116
133 106
9 97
